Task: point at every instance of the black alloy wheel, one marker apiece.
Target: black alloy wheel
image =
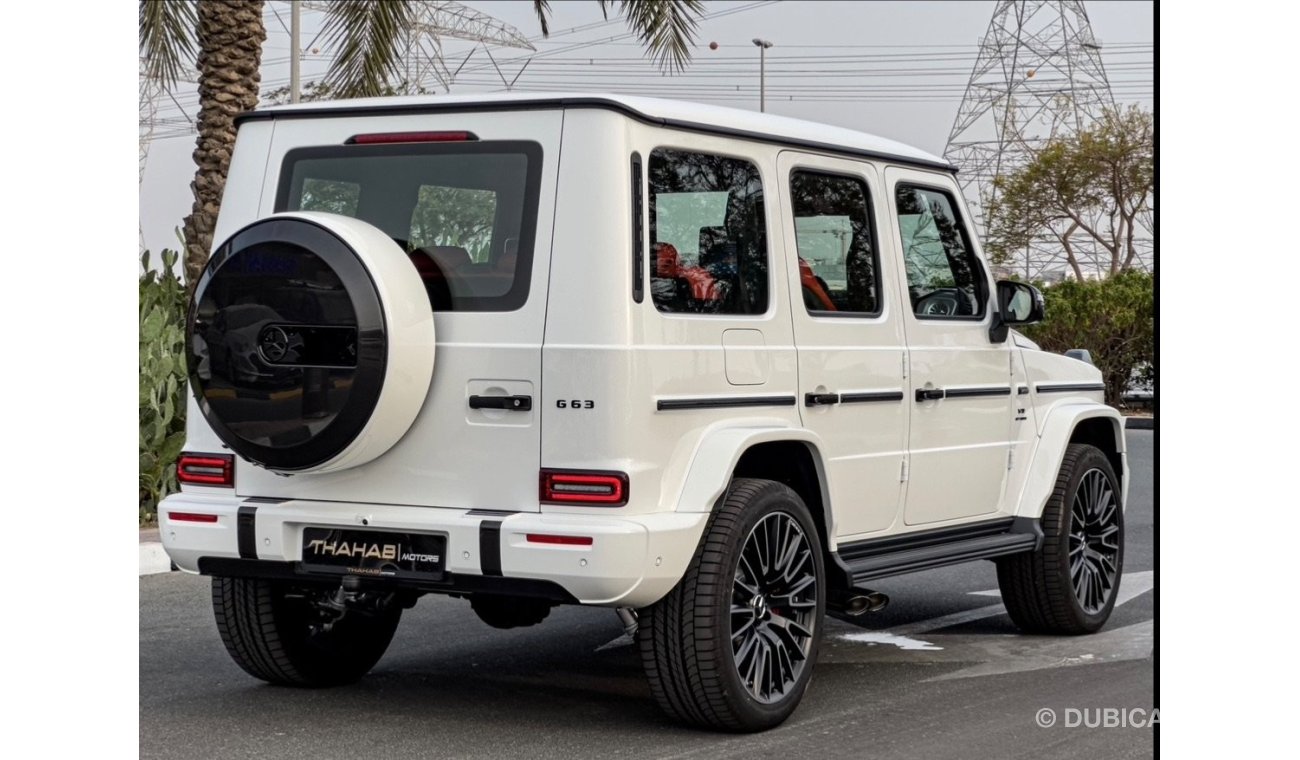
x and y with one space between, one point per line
1094 541
773 608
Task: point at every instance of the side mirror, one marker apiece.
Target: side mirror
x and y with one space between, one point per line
1082 354
1019 303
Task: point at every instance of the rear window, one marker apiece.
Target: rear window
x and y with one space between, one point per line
465 213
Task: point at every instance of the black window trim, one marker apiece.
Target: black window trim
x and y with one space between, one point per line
638 228
983 283
771 296
525 257
875 244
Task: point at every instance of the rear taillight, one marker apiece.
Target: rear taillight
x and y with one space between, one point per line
382 138
206 469
597 489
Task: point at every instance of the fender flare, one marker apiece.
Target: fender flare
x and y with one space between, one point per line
720 450
1049 453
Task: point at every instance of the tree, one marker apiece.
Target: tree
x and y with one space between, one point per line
1090 186
665 27
225 37
1113 318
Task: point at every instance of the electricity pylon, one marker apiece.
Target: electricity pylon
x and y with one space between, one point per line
1039 75
422 57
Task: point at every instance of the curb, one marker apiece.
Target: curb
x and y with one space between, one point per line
1140 423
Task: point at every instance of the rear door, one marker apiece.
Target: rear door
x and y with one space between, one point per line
475 217
960 382
848 326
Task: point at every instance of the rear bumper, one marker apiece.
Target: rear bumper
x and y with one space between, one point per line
632 561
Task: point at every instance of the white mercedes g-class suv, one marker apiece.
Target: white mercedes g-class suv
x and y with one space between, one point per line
715 369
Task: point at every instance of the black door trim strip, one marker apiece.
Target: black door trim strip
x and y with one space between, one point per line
1004 390
723 402
863 398
1068 387
246 531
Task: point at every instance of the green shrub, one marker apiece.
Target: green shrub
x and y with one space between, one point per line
162 381
1113 318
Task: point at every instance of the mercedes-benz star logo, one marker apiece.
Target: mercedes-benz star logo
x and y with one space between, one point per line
273 343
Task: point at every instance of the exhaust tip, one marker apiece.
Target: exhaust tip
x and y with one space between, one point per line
855 605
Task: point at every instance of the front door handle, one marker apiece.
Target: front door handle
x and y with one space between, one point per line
929 394
509 403
818 399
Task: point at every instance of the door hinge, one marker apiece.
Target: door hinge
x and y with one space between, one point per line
902 475
903 356
1011 457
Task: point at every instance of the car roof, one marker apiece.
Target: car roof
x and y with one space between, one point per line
672 113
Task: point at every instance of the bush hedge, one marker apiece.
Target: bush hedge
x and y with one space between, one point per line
162 380
1113 318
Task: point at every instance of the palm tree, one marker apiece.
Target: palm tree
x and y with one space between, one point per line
224 39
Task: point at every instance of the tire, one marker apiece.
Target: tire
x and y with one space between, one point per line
1038 588
267 629
686 639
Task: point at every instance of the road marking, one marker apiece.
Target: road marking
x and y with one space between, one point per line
1132 642
1131 586
153 559
1124 593
884 637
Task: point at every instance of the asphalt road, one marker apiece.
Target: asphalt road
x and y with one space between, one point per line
940 673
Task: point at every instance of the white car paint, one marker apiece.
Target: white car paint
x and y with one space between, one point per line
883 470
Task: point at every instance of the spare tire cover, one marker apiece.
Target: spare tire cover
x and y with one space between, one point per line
311 342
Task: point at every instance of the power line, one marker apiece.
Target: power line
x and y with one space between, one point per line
900 73
1040 76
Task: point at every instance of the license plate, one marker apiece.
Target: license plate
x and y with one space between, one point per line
375 553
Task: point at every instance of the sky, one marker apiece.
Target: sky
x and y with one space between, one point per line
896 69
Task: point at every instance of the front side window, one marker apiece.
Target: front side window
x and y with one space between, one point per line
833 232
465 212
944 279
708 234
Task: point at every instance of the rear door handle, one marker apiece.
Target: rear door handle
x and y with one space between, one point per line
929 394
509 403
818 399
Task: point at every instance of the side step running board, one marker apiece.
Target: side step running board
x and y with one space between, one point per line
867 560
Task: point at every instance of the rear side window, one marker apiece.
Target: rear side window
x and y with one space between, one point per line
708 234
836 241
465 213
944 279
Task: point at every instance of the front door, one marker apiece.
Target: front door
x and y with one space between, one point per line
959 385
848 326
